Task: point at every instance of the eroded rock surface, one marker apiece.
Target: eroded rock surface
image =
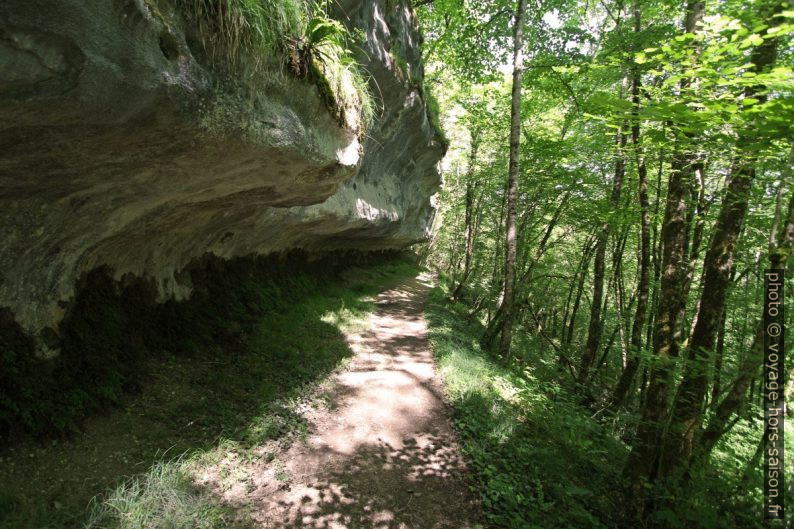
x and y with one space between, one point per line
120 147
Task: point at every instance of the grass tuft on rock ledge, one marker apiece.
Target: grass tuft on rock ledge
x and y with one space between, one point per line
252 30
255 35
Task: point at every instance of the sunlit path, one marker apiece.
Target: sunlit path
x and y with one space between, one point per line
383 455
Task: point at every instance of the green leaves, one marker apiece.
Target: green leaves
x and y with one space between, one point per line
752 40
321 30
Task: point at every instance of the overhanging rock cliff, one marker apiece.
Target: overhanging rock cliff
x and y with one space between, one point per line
120 146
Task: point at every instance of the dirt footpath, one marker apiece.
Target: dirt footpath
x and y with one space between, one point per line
383 455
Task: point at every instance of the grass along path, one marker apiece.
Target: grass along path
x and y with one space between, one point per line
170 455
538 460
541 460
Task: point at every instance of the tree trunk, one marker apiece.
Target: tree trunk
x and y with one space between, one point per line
586 256
655 257
596 324
731 403
641 465
688 408
470 218
716 387
633 364
571 287
506 323
526 276
494 276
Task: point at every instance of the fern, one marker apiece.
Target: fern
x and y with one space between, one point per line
244 34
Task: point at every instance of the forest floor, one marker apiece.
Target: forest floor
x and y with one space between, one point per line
329 415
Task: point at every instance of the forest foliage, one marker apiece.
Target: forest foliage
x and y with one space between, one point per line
616 224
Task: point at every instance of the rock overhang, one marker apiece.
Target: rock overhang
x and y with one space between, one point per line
120 148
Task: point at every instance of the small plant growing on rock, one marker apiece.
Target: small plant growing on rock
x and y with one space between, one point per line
322 55
248 34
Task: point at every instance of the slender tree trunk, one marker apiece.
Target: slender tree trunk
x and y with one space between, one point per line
526 277
454 258
633 364
617 330
696 221
642 463
620 286
523 230
716 387
541 249
470 215
655 257
701 209
587 255
656 260
615 284
571 287
596 327
478 214
752 362
494 274
506 323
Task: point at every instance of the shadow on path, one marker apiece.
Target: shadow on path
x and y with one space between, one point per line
384 454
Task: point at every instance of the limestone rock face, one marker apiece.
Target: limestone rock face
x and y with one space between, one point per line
119 146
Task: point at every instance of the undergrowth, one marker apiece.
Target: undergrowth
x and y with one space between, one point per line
542 460
537 459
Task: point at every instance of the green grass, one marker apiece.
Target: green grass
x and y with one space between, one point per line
325 49
164 497
538 460
245 30
238 365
